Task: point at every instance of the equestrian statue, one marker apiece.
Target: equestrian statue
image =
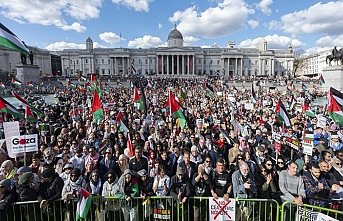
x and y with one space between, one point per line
336 55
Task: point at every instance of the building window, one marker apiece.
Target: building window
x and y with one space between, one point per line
109 61
102 61
77 61
86 61
199 61
256 62
109 71
218 62
103 71
96 61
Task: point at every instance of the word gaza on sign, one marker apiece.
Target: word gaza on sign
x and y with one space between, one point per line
25 143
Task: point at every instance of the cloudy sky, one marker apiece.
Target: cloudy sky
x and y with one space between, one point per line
55 25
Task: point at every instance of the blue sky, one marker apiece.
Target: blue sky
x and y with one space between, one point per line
55 25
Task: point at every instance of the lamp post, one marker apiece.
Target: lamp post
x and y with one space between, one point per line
10 68
141 67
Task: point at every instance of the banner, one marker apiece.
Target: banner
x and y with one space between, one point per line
25 143
321 121
221 210
249 106
309 215
292 143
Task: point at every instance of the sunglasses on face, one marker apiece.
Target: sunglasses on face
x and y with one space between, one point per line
108 152
240 158
338 164
207 161
73 175
2 187
110 177
280 162
269 164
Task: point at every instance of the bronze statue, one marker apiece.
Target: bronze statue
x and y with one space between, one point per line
23 58
334 53
31 57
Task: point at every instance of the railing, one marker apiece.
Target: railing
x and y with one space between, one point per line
162 208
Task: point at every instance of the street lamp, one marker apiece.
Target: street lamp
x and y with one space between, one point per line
141 67
74 68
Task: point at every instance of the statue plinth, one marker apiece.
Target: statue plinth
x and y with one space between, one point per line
333 76
28 73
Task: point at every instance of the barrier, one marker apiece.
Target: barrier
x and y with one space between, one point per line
166 208
292 212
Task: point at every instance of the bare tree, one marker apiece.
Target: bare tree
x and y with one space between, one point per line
299 60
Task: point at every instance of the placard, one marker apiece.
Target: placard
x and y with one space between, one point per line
200 123
11 129
44 129
249 106
222 210
321 121
308 144
292 143
25 143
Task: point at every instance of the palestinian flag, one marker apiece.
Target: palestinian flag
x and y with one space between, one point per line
208 89
293 102
129 146
304 87
36 111
294 90
83 204
321 80
29 85
234 88
105 84
121 120
7 108
281 114
149 84
81 78
336 106
70 84
41 83
29 116
16 82
96 107
132 68
95 84
143 98
308 111
2 85
137 99
175 110
253 94
10 40
182 96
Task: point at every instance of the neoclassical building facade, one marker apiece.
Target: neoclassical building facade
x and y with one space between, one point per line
177 60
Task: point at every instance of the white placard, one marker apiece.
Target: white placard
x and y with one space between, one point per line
11 129
25 143
249 106
222 210
321 121
200 123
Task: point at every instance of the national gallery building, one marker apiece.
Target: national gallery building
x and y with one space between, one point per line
177 60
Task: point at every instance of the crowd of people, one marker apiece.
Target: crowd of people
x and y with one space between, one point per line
230 154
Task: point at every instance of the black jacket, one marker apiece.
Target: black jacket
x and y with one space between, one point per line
52 190
10 196
182 187
194 169
137 166
26 193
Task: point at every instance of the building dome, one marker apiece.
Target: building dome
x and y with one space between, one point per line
175 34
89 39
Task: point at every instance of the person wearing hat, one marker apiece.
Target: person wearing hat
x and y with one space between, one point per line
180 189
51 190
8 196
65 175
27 193
319 133
335 143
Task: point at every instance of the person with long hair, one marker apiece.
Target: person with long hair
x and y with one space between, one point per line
94 187
121 165
112 208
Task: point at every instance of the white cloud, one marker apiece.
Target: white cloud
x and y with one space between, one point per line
326 43
264 6
75 26
146 42
253 24
160 25
319 18
137 5
226 18
60 45
273 41
190 40
110 37
50 12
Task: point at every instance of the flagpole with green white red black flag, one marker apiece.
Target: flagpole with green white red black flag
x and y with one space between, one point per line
335 107
6 107
282 114
96 107
9 40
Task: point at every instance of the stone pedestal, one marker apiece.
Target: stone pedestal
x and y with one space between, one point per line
333 77
28 73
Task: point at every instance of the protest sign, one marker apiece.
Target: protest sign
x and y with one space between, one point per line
308 144
249 106
200 123
292 143
321 121
25 143
221 210
11 129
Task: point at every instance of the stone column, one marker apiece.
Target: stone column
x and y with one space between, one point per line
173 64
162 64
167 64
236 74
260 68
188 69
182 64
178 64
93 68
242 67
